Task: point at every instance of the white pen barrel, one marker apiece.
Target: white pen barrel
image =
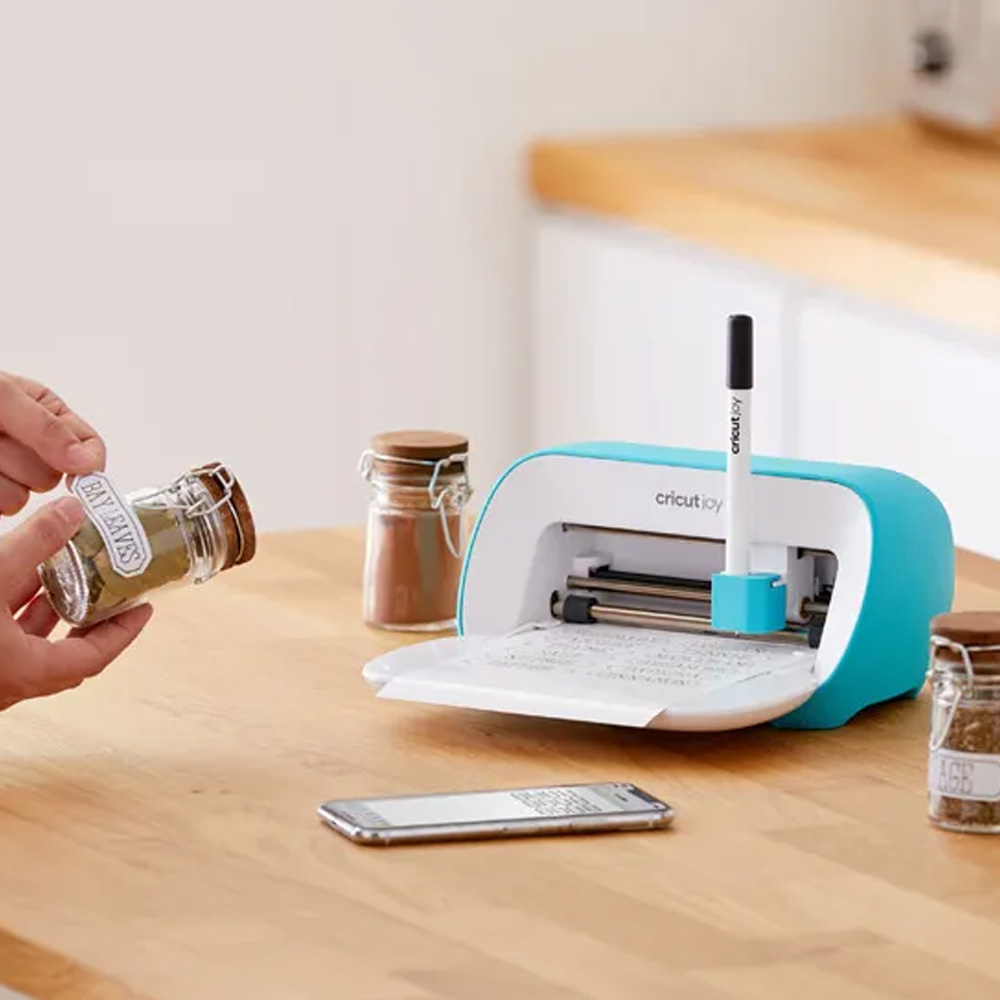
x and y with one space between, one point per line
738 455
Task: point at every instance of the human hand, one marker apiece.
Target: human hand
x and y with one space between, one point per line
41 439
32 665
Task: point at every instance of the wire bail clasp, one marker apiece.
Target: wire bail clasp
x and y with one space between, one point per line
203 505
963 689
226 482
461 491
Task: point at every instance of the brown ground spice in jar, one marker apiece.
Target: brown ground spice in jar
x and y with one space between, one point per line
966 724
411 571
416 576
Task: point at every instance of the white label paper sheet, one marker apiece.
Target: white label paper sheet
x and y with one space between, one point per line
974 777
121 530
599 673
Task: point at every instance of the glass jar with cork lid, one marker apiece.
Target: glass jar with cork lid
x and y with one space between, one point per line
416 529
185 532
964 747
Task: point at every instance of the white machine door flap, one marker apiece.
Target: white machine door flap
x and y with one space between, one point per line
603 674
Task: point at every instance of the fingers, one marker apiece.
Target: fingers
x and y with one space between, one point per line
38 618
91 441
37 418
36 667
35 540
85 653
21 471
23 590
33 666
22 465
13 497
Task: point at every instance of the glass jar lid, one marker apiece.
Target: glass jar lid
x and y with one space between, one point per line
234 509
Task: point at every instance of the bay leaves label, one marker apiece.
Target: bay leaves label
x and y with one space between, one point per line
126 542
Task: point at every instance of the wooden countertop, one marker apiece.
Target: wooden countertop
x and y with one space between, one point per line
888 210
159 837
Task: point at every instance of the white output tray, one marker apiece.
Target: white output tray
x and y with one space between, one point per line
607 674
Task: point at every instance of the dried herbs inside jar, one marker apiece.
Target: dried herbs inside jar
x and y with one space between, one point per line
964 758
130 545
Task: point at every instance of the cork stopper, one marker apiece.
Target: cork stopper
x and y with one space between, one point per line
969 628
415 446
425 445
237 518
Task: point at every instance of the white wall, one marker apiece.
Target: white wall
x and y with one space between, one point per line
223 223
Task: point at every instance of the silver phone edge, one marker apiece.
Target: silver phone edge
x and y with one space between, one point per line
623 822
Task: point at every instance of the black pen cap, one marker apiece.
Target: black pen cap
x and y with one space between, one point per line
740 368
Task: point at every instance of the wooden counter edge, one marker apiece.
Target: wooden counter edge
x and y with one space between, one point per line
586 179
972 567
44 975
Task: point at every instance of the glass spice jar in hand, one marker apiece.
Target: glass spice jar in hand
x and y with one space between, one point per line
185 532
416 529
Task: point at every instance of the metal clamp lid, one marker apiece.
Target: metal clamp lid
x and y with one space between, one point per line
201 506
224 492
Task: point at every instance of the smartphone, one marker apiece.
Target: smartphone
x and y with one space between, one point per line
506 812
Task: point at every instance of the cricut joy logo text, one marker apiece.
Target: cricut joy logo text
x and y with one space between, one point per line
735 418
696 501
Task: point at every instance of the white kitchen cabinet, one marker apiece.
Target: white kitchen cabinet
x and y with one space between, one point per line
909 396
629 342
629 339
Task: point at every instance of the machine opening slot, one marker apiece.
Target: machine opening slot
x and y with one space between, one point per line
656 580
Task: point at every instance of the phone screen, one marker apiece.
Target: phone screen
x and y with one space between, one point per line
501 806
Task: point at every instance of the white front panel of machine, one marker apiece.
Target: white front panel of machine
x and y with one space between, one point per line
522 552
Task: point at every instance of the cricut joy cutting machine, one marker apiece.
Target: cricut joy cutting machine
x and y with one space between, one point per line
677 589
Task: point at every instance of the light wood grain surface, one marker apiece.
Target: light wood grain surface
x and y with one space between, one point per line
888 210
159 838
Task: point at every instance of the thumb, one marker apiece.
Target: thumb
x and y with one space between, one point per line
36 539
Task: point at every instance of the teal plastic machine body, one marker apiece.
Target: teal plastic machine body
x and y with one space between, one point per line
910 576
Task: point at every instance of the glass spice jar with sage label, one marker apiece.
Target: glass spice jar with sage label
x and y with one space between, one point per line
964 747
132 544
415 540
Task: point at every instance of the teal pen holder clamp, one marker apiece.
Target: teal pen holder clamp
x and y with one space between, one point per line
751 604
